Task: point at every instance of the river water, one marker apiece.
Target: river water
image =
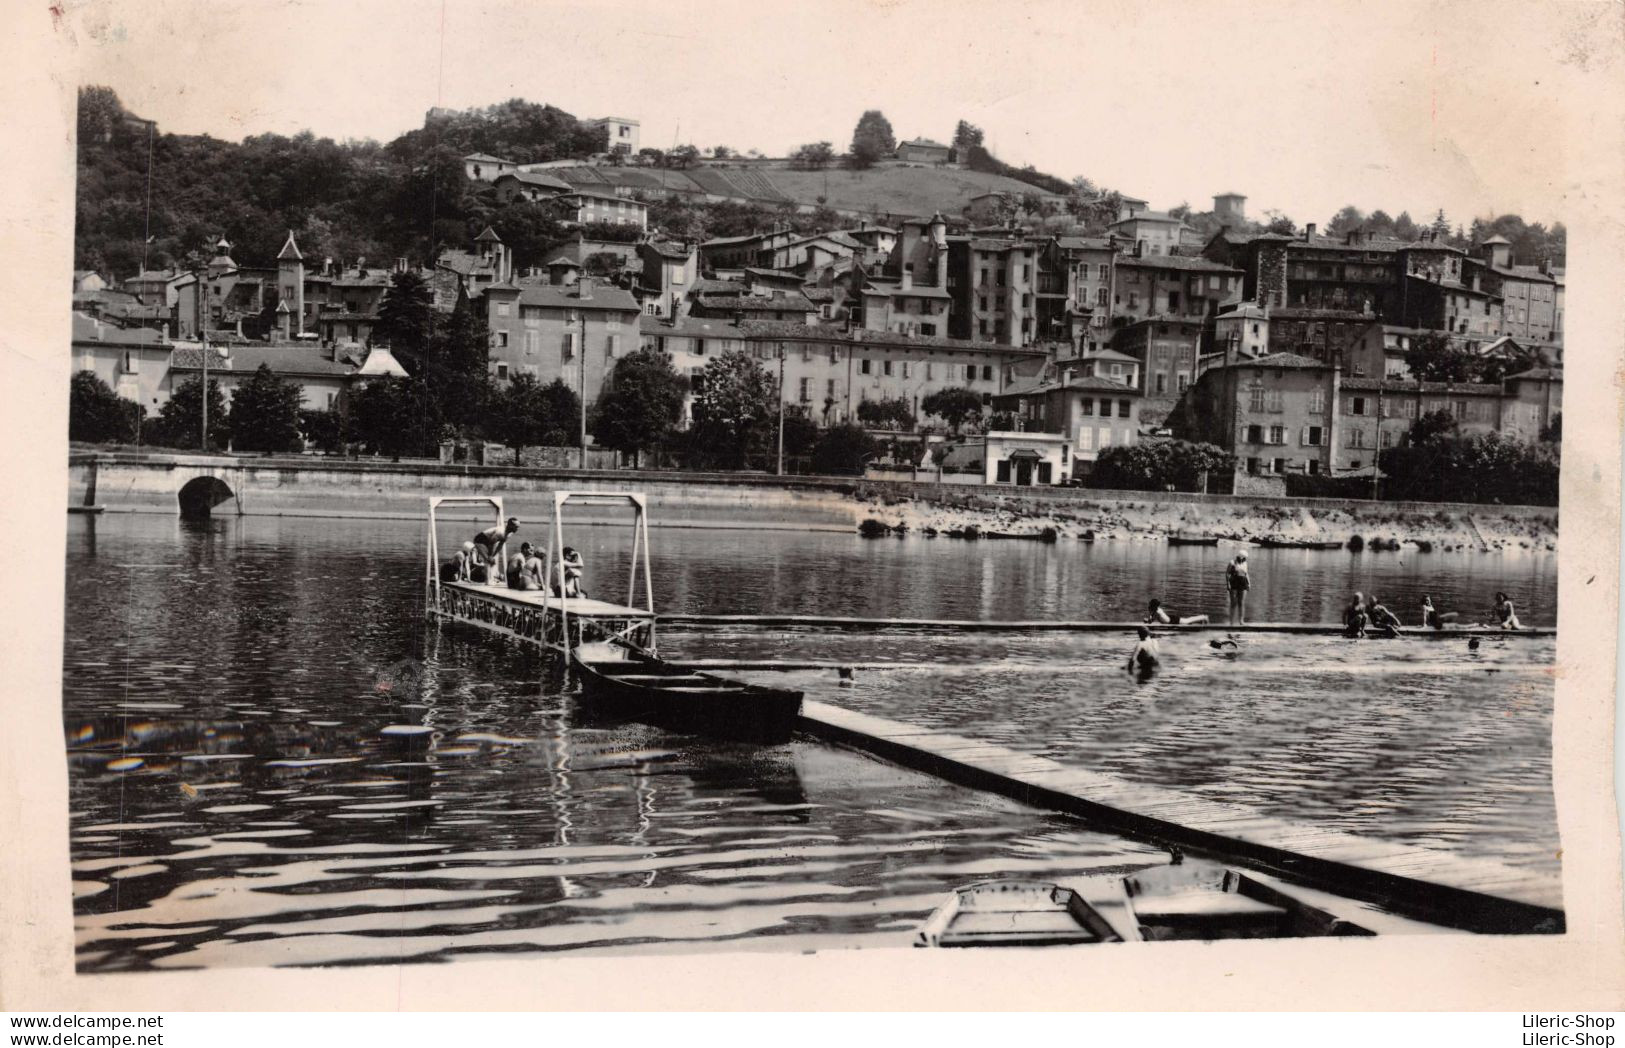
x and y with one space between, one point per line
237 798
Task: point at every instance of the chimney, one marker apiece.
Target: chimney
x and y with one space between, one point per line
400 265
1308 232
584 287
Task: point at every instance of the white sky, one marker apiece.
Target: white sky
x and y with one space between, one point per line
1303 107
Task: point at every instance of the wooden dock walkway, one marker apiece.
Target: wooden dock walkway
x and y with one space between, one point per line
1052 625
1426 885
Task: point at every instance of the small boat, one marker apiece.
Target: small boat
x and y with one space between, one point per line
1206 901
1193 540
628 683
1271 542
1015 913
1198 900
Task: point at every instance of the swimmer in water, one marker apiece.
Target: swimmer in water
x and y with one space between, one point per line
1220 645
1143 659
1354 617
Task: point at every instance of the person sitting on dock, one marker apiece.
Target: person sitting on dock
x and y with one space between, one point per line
518 577
1144 658
535 570
573 568
1159 614
1238 582
1505 614
456 569
489 543
1355 618
1433 618
1381 618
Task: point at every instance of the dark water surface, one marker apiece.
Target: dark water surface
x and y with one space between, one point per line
244 705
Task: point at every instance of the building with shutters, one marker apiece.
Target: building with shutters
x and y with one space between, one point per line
552 331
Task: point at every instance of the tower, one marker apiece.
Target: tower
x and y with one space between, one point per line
290 265
494 253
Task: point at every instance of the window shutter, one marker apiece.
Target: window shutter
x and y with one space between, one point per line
1303 438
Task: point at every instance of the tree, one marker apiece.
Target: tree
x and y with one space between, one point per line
1440 226
722 152
395 417
872 139
98 415
324 430
1158 465
562 409
1446 467
1553 430
265 413
1345 222
1432 427
406 320
843 449
1434 357
1379 224
1405 228
735 400
683 156
607 264
1181 211
892 413
800 433
1280 224
518 414
639 405
966 135
180 422
814 156
458 374
955 406
652 157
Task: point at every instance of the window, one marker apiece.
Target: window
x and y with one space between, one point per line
1385 438
1027 274
1278 465
1003 472
1105 436
1087 405
502 340
1356 438
502 371
1086 438
1255 400
1356 407
612 345
1314 467
1277 434
1255 434
613 322
1272 400
652 309
531 315
1253 466
699 347
806 353
885 367
1354 464
864 366
970 372
1134 300
1162 382
906 369
987 373
1314 436
1173 302
533 342
1123 409
1100 297
569 348
806 390
1317 401
1184 381
831 391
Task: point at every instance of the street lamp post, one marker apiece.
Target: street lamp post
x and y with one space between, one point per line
781 409
582 460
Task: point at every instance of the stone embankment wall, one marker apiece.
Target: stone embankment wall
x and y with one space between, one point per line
349 488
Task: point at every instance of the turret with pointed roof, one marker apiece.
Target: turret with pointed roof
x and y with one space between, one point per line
289 249
290 266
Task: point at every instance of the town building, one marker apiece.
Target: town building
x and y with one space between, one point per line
1242 331
1155 232
993 282
1076 280
1169 351
922 151
325 376
735 253
691 343
134 362
1230 208
586 206
483 167
1324 334
549 331
1377 413
620 134
529 186
1277 414
1533 400
669 270
738 304
1090 412
903 306
874 242
1529 294
809 253
1187 287
88 280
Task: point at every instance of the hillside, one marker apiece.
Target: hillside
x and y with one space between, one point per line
889 191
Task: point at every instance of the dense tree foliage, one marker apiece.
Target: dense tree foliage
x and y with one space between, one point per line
342 200
1442 466
324 430
180 421
396 417
1158 465
265 413
814 156
955 406
872 139
735 405
640 404
893 413
843 449
97 414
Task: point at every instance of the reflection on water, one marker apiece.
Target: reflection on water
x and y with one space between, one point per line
274 762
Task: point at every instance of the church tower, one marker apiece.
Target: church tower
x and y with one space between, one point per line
290 265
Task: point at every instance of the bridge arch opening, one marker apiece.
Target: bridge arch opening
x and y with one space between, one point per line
200 495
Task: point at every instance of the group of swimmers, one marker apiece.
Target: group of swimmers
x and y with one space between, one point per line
482 559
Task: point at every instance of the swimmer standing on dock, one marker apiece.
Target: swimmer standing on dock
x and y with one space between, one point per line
1238 582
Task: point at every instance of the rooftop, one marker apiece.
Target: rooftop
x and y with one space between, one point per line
1373 385
669 249
690 327
568 296
85 328
790 329
1188 263
305 358
536 178
487 158
1278 360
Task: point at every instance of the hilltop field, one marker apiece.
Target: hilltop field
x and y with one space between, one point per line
890 190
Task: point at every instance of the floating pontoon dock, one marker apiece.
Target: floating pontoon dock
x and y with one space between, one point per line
817 622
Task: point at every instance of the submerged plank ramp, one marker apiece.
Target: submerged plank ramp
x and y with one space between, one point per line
1054 625
1431 886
